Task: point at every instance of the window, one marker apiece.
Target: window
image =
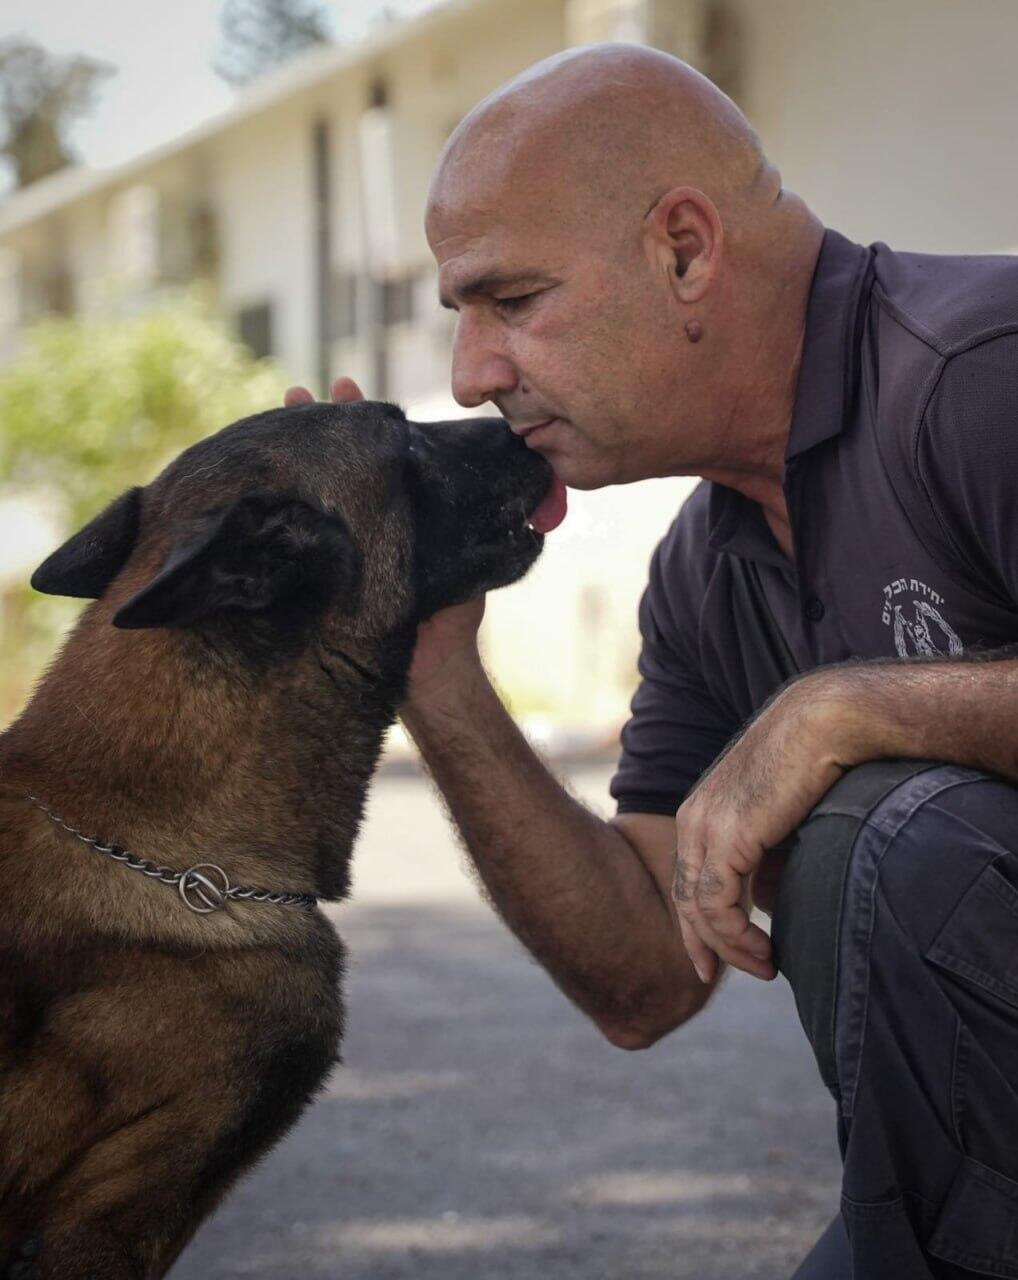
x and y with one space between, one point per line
398 301
254 324
133 229
344 306
10 295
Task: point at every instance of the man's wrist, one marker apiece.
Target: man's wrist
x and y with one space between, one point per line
447 691
848 717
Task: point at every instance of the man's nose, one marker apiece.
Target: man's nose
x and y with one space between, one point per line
480 371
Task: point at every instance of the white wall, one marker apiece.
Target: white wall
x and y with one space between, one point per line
894 119
260 176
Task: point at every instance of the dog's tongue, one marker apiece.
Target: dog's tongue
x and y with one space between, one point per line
551 510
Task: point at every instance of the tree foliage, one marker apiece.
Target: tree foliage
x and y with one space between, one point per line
91 407
40 97
258 35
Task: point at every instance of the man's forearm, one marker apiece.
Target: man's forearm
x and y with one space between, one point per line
767 781
568 884
963 711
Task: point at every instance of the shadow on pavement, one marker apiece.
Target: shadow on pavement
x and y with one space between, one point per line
480 1127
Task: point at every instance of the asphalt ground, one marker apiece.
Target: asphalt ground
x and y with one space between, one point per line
479 1127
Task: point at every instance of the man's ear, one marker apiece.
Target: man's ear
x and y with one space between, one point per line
89 561
262 554
684 235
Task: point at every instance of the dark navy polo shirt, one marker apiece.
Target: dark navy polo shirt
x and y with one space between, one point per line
901 477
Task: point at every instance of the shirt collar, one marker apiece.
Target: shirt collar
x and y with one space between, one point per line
737 525
829 370
824 394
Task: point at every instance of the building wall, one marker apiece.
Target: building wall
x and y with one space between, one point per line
894 121
259 178
433 81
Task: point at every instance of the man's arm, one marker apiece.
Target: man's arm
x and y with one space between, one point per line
590 899
961 711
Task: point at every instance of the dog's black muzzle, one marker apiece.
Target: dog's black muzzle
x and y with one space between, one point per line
475 488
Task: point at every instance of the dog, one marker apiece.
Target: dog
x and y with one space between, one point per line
186 784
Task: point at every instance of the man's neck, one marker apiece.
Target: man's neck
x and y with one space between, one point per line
765 392
769 496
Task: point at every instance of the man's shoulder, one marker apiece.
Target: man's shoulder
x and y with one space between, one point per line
949 302
942 396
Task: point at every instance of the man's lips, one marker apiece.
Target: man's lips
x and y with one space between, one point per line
528 429
551 510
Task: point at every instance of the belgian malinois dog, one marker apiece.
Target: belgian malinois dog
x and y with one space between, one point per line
187 782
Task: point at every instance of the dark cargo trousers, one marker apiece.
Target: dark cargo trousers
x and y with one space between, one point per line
897 927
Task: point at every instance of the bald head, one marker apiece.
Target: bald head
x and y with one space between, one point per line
626 268
622 122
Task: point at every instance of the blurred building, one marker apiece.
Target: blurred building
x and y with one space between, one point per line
303 206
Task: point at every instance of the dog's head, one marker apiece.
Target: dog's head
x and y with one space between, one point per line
346 519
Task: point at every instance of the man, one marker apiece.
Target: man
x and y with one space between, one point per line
640 297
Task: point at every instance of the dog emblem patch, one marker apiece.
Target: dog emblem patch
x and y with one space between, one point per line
918 626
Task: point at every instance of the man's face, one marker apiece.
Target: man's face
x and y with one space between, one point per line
566 331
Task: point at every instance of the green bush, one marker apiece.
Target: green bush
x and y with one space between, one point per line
89 407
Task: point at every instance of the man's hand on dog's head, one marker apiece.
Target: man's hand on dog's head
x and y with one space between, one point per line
344 390
446 651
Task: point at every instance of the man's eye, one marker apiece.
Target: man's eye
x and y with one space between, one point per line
514 304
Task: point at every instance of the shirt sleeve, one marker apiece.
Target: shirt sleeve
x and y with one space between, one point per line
676 727
967 460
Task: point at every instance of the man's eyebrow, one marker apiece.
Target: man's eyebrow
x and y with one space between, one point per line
490 281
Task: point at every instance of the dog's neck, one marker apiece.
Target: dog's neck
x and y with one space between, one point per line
157 742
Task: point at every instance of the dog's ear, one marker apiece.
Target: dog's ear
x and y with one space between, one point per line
263 553
89 560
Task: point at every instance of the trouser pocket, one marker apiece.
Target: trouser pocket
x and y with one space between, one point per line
977 1228
885 1238
979 940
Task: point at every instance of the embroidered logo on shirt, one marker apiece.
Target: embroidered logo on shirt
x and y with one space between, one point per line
919 626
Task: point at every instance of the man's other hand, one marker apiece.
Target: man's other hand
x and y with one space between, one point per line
754 797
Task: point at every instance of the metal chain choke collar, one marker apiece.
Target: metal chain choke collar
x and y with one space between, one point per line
197 891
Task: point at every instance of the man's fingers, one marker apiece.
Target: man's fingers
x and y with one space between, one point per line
687 874
705 962
711 902
688 863
297 395
685 877
725 935
735 938
721 902
722 914
345 390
